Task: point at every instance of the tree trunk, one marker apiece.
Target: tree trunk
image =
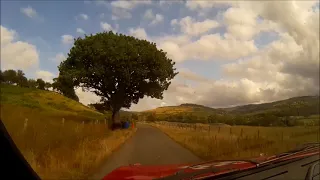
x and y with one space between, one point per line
115 121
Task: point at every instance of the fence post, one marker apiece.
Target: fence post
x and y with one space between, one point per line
62 121
218 129
241 132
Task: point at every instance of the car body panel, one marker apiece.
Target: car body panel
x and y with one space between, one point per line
144 172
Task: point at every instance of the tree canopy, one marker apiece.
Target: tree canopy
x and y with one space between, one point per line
120 69
64 85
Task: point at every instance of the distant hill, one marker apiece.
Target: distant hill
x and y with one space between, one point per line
304 106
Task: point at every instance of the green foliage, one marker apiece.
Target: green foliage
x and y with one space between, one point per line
120 69
32 83
40 84
9 76
47 85
64 85
101 107
22 81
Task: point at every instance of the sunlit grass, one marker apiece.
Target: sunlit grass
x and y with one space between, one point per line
237 142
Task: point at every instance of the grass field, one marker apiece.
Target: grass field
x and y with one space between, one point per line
59 137
237 142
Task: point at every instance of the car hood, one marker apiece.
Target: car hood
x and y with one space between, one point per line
146 172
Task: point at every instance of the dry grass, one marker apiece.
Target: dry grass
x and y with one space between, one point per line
237 142
61 138
61 151
170 110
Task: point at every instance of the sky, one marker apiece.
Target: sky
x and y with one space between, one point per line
227 52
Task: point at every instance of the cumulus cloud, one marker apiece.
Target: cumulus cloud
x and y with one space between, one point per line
29 11
82 16
284 68
45 75
207 47
86 97
81 31
107 27
189 26
121 9
129 4
155 18
67 39
17 54
138 33
59 58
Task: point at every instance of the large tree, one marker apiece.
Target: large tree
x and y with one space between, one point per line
120 69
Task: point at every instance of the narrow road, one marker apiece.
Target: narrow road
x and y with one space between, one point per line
148 146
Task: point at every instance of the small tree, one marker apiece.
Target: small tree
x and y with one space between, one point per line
47 85
22 81
32 83
40 84
10 76
120 69
64 85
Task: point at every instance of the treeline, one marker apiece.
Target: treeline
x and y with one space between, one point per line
263 119
60 84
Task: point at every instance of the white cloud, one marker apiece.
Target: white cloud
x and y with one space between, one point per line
189 75
86 97
155 18
168 3
148 14
129 4
284 68
67 39
81 31
121 9
17 54
83 16
59 58
207 47
107 27
138 33
158 19
45 75
189 26
204 4
29 11
118 13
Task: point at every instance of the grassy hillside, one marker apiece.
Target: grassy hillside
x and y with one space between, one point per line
297 110
51 103
59 137
305 104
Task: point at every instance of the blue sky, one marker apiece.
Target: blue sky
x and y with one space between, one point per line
57 18
227 52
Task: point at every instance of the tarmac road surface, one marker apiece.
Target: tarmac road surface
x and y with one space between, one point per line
148 146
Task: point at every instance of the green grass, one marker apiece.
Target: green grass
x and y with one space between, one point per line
45 102
58 136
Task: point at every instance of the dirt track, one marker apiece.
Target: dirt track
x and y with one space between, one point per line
148 146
